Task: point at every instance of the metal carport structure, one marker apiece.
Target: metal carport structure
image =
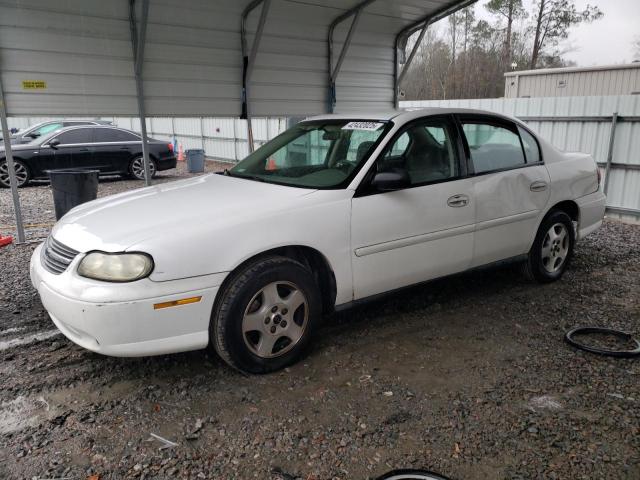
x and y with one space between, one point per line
193 57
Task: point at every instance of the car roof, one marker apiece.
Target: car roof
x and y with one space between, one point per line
404 115
76 127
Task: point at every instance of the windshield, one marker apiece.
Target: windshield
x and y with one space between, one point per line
320 154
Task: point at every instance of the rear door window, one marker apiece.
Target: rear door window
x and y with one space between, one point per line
493 146
113 135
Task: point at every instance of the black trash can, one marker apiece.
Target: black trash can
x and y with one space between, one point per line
71 188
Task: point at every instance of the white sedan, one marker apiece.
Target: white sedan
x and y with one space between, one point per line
336 210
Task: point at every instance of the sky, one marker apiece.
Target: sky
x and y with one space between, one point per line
603 42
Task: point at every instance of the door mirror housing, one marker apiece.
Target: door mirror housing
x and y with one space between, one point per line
54 143
390 181
32 135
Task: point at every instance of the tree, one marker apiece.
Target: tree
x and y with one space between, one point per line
553 18
510 10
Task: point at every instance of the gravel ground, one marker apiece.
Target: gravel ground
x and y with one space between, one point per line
468 376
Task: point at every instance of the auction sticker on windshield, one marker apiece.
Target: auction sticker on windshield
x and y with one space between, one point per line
362 126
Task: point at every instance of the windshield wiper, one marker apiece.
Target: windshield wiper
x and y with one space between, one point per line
229 173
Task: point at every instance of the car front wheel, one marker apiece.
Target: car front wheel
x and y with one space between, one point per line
22 173
552 248
266 314
136 168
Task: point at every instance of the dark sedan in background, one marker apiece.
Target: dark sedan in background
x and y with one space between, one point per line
111 150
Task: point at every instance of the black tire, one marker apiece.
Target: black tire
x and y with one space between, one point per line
23 173
542 267
134 170
226 326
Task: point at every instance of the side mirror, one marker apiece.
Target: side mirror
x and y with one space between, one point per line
389 181
32 135
54 143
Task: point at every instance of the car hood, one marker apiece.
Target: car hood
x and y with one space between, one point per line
178 209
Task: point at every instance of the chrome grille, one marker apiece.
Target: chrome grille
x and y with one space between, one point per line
56 257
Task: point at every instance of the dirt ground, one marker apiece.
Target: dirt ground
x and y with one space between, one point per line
467 376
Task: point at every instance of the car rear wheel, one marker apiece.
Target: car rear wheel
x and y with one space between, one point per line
136 168
552 248
266 315
22 173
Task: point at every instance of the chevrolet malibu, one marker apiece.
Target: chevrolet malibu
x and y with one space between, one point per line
334 211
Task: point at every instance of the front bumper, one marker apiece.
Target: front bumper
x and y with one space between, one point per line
119 319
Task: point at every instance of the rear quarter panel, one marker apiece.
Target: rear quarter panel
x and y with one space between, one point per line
574 177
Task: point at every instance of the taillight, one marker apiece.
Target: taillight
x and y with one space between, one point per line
170 147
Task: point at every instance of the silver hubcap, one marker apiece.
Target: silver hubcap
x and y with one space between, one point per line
555 248
21 173
275 319
137 168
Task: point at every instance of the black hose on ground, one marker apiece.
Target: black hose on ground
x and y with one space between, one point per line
412 475
627 337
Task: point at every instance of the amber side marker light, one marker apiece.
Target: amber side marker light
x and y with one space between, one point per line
175 303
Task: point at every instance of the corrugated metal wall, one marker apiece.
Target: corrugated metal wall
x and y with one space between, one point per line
590 137
193 63
624 80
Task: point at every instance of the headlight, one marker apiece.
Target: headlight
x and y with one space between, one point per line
116 267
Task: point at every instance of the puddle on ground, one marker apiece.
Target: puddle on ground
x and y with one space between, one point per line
35 337
23 412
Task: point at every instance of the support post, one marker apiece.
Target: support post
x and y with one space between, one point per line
138 44
202 133
414 50
612 137
13 181
249 58
334 71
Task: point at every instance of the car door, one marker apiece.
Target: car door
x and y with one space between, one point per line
510 185
114 149
422 231
75 149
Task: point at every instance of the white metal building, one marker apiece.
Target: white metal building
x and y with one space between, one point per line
574 81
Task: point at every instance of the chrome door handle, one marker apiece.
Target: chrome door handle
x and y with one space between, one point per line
458 201
538 186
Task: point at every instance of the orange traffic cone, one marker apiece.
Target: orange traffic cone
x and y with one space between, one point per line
271 164
180 153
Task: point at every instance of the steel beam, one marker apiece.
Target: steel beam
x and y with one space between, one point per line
138 40
612 138
409 30
249 59
8 153
334 71
414 50
623 211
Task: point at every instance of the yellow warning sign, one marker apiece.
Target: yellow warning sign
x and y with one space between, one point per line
34 85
